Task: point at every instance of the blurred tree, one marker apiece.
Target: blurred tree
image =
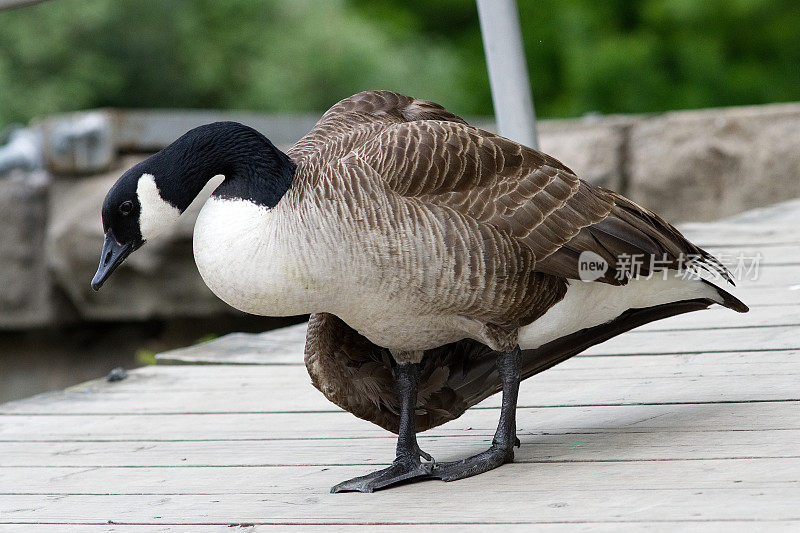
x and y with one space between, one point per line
619 56
614 56
249 54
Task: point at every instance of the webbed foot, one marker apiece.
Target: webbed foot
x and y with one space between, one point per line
477 464
403 469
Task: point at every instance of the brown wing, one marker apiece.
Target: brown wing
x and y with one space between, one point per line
524 193
357 118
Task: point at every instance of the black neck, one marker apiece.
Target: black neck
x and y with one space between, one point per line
254 169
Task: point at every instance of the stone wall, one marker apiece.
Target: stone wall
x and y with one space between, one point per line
26 298
703 165
688 166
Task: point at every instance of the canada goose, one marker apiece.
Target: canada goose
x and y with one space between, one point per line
434 256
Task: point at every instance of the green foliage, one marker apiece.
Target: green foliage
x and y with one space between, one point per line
145 357
303 55
274 56
622 56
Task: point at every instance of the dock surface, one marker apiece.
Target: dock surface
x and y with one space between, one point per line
690 423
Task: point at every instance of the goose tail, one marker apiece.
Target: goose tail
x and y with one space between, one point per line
557 351
727 299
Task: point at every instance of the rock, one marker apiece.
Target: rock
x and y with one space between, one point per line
592 148
158 281
78 143
145 130
703 165
117 374
25 297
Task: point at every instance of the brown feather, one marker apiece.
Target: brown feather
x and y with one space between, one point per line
512 221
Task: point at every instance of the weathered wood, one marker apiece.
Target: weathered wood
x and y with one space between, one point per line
579 381
717 340
535 478
751 276
745 416
698 526
466 501
734 234
280 346
770 296
766 254
718 317
658 444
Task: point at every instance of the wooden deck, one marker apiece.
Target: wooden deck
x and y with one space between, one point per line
691 423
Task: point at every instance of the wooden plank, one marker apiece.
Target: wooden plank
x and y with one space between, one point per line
611 445
756 297
747 416
767 254
466 501
740 376
751 276
735 234
717 340
718 317
295 480
279 346
698 526
154 379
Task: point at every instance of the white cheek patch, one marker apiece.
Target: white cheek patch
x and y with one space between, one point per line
156 213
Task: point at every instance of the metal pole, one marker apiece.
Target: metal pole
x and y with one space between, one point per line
508 73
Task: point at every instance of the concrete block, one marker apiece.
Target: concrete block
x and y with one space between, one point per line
78 143
593 148
703 165
25 284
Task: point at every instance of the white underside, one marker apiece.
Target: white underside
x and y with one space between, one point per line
589 304
258 261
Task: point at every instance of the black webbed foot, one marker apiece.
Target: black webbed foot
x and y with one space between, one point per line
502 449
403 469
407 465
477 464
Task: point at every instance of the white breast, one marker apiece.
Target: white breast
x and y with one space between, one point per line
293 260
245 256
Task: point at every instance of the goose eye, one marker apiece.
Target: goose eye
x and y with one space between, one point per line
126 207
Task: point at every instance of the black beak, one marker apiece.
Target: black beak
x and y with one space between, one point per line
111 257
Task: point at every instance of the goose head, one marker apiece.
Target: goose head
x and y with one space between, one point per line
149 198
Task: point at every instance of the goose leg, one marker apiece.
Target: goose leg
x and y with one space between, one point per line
407 464
505 438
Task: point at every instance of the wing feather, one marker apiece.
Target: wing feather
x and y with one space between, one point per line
355 119
525 193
